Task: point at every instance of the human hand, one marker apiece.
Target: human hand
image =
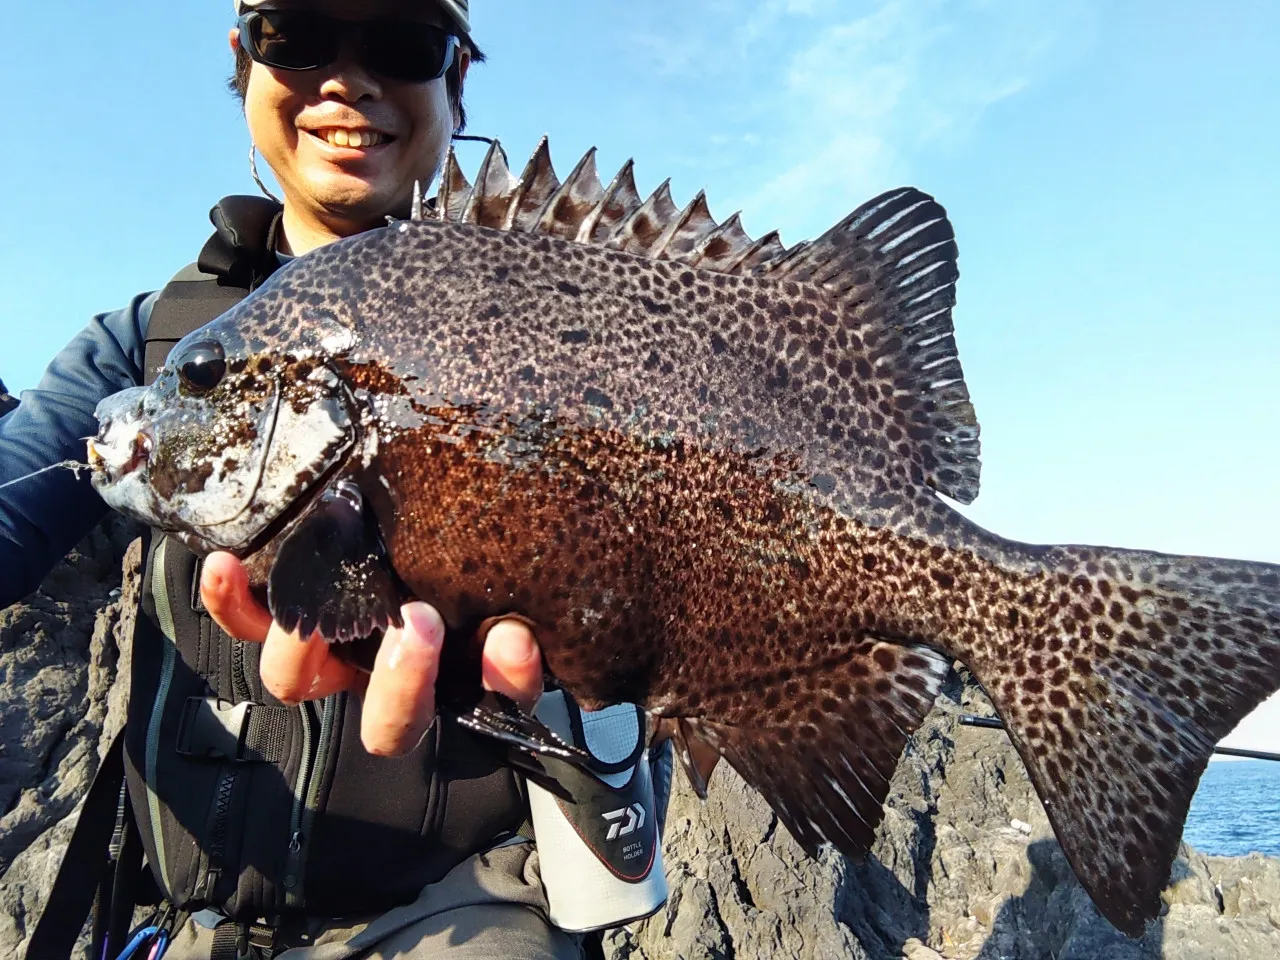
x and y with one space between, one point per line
399 695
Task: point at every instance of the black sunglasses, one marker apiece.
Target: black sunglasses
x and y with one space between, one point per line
409 50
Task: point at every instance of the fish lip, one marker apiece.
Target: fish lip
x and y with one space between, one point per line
139 456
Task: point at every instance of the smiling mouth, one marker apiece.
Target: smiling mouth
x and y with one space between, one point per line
351 139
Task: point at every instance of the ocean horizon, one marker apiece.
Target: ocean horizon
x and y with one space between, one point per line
1236 810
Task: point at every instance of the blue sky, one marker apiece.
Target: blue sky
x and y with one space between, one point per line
1111 170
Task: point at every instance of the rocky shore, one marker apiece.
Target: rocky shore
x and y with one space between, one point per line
966 866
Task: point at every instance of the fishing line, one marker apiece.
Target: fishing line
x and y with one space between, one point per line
991 723
73 465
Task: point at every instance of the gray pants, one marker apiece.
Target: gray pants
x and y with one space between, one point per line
489 906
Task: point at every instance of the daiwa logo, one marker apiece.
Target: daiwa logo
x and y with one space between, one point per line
634 821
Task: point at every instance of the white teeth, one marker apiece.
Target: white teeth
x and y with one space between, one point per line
352 138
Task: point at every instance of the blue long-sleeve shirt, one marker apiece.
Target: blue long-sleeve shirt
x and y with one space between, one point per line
41 519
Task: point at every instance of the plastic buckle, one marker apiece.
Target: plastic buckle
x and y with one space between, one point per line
213 729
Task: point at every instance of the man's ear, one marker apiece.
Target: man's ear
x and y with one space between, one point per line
464 64
233 38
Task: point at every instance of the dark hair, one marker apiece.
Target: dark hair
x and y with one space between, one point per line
239 80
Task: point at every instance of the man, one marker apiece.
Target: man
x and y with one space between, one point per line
349 102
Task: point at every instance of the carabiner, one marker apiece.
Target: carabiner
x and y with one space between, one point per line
160 945
139 938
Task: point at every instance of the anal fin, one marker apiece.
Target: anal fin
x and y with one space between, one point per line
825 757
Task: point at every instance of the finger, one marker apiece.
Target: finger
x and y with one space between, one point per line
291 668
512 663
400 702
334 676
224 588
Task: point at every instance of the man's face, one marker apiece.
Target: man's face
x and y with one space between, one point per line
295 117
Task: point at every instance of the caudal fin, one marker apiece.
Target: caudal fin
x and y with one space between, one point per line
1115 691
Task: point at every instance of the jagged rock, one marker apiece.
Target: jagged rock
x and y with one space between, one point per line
59 659
7 402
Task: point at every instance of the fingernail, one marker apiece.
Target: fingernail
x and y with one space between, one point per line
515 644
423 626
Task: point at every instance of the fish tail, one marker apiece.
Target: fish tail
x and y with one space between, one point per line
1115 686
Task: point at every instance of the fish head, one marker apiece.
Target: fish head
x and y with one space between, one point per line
245 423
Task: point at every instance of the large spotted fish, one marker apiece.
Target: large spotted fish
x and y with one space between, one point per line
710 471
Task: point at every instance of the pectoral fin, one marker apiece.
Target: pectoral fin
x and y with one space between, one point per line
331 573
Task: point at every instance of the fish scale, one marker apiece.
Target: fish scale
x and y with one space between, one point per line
709 470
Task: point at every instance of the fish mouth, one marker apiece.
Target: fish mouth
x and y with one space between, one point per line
112 462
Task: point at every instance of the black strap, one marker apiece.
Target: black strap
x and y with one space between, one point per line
213 729
83 865
183 306
224 946
237 258
238 941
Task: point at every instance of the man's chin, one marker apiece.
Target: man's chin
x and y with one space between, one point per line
356 204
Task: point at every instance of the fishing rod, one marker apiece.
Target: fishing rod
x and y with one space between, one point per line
991 723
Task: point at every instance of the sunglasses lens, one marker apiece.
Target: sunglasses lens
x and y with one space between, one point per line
407 50
292 41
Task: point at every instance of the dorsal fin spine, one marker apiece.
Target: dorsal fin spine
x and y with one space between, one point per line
455 190
697 208
582 185
537 184
494 183
658 210
621 189
752 254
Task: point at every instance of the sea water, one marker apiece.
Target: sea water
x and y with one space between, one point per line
1237 809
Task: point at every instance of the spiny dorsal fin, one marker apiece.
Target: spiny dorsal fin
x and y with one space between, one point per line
569 206
537 184
619 200
493 192
580 209
455 190
638 232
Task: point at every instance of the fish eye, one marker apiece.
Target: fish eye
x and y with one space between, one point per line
202 367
